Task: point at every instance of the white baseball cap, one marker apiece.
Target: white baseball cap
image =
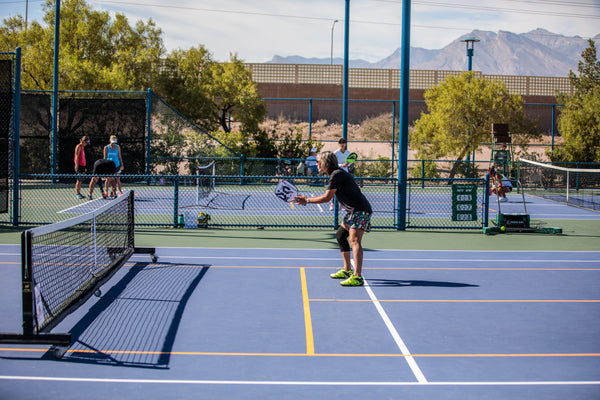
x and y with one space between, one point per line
313 150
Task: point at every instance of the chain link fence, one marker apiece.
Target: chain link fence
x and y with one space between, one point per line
172 151
6 96
205 201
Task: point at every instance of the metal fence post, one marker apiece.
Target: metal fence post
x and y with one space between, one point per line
148 133
16 138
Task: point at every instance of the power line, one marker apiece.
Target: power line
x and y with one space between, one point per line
424 2
559 3
507 10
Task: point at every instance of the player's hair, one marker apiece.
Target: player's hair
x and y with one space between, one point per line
328 161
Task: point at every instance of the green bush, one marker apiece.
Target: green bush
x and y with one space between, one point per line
425 169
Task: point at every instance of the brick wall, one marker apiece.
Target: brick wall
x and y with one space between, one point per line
327 103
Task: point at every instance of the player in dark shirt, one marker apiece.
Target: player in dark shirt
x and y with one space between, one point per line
356 222
104 167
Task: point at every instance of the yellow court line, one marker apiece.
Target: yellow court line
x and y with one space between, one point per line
459 301
310 345
249 354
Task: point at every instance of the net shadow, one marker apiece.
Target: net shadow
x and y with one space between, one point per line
403 283
135 323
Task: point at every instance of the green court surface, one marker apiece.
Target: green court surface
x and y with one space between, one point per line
578 235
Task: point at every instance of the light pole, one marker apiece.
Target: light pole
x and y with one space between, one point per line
332 26
470 41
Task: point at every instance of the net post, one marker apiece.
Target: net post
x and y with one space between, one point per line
568 186
27 284
131 219
28 335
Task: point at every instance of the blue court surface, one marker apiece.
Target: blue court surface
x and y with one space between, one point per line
205 323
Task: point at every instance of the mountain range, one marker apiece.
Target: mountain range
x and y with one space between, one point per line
535 53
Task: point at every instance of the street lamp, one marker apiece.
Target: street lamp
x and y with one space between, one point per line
470 41
332 26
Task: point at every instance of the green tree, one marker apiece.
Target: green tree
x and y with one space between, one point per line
461 112
183 81
211 93
96 52
233 93
579 121
589 71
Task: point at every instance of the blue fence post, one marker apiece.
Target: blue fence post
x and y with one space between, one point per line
404 100
309 119
242 158
393 132
176 201
336 213
553 108
55 88
486 201
346 70
16 138
148 133
423 173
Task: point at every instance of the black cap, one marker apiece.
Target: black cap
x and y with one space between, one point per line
342 140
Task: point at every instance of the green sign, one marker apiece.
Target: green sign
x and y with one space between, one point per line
464 202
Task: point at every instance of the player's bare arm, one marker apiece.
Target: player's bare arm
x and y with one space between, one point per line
324 198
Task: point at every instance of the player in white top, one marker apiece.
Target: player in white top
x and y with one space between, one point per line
342 153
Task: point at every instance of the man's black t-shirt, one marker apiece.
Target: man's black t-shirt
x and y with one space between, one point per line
104 166
347 192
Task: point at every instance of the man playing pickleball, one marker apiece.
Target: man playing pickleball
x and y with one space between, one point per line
356 222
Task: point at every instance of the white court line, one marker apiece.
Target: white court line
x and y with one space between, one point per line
297 383
443 260
399 342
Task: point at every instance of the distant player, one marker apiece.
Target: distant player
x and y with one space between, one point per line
107 168
80 164
500 186
112 151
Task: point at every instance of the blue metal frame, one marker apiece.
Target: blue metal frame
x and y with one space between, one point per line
403 134
16 136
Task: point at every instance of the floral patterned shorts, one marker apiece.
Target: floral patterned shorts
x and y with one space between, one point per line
358 220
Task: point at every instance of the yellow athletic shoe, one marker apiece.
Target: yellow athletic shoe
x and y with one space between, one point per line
342 274
353 281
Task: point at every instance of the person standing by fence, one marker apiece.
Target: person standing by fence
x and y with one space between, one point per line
112 152
80 164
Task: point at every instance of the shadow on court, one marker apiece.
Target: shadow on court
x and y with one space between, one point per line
402 283
137 318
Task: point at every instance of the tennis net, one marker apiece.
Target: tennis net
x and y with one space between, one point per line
205 180
575 186
64 263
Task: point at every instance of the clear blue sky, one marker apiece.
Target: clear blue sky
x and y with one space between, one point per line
258 30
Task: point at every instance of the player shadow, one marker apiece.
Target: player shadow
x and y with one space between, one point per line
402 283
135 323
